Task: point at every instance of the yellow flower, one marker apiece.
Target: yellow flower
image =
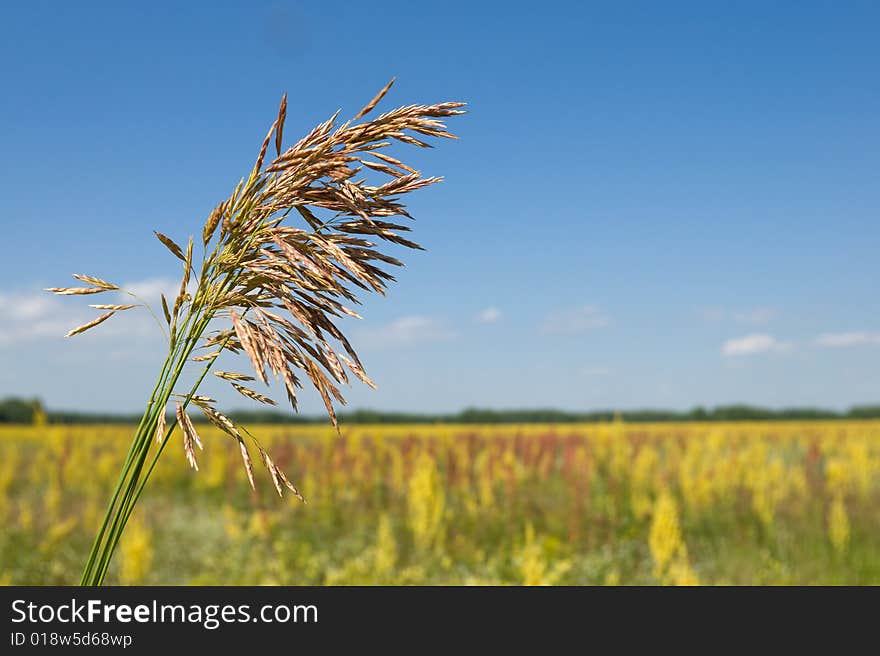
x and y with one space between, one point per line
664 538
135 553
667 545
426 502
838 525
385 554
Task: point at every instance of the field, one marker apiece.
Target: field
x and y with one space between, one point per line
614 503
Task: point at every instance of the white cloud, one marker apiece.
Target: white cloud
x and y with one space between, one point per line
26 307
489 315
11 333
752 344
34 315
837 340
406 331
574 322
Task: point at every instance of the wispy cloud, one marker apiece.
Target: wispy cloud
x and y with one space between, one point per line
575 321
840 340
34 315
26 307
12 334
759 315
406 331
753 316
753 344
489 315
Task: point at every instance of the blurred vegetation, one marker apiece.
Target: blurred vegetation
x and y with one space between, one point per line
594 503
23 411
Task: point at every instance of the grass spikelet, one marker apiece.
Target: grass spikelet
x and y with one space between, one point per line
394 162
278 477
206 356
288 484
160 426
165 310
246 459
375 101
97 282
115 308
190 437
90 324
211 224
273 472
251 394
231 375
217 418
357 371
75 291
246 340
279 130
169 243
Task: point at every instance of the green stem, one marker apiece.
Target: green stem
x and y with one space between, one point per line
93 554
99 556
136 482
131 480
167 436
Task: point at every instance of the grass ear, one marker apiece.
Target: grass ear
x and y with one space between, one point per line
262 265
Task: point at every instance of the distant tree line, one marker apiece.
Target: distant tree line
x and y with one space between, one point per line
20 411
29 411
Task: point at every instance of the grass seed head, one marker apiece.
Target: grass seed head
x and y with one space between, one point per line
90 324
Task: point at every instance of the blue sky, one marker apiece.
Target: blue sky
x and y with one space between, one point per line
651 204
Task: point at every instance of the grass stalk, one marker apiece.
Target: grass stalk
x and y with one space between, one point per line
279 286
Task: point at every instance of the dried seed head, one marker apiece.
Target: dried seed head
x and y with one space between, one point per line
160 426
278 478
293 281
394 162
95 281
375 101
246 338
90 324
288 484
282 114
231 375
75 291
251 394
206 356
265 147
198 398
211 224
248 466
170 245
110 306
165 309
190 437
270 467
357 370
